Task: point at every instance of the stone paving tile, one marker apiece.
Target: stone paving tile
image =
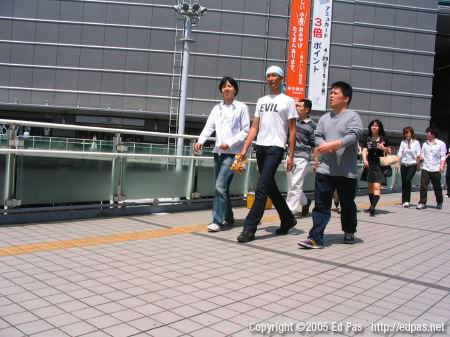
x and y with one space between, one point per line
154 285
121 330
127 315
20 318
104 321
62 319
166 331
96 334
206 319
186 326
186 311
145 323
34 327
11 332
51 333
78 328
167 317
207 332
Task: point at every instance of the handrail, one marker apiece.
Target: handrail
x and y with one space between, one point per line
96 129
94 155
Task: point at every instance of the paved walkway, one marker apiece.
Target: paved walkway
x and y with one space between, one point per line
164 275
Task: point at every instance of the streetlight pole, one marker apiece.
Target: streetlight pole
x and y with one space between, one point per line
192 14
187 40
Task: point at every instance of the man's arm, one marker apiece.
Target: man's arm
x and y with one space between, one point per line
443 157
292 132
316 160
352 135
207 131
251 136
319 135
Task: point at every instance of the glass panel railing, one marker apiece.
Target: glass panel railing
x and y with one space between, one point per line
157 178
2 180
3 141
62 180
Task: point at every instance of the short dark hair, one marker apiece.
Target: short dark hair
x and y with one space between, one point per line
432 130
346 89
410 130
232 81
306 103
380 125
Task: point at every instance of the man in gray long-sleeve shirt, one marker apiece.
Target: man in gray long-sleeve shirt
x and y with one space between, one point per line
336 137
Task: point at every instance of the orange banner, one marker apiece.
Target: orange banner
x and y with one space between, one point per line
298 49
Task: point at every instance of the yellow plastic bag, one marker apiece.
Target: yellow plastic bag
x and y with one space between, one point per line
239 164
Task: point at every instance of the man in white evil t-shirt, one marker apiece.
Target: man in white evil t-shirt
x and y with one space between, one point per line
275 114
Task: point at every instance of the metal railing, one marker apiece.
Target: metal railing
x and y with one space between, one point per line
51 173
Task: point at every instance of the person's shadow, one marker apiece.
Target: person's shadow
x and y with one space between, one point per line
269 232
338 239
378 211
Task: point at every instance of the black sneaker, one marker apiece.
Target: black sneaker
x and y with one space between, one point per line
349 238
284 229
372 211
439 206
227 224
305 209
246 236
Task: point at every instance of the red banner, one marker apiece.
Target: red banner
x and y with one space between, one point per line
298 49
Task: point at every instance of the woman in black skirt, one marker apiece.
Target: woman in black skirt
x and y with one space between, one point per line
375 145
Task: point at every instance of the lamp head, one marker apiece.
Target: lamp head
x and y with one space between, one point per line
185 7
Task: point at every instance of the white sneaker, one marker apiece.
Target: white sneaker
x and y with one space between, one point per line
213 227
421 206
405 204
446 196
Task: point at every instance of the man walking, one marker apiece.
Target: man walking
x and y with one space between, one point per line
275 114
336 137
432 155
303 146
230 121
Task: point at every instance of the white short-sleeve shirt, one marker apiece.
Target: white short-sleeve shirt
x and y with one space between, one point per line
274 111
433 153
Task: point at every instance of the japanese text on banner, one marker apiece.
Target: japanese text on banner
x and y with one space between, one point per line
320 53
298 48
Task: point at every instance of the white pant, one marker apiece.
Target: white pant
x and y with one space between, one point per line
296 197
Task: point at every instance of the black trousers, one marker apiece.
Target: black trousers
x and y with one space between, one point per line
407 173
447 179
435 178
268 159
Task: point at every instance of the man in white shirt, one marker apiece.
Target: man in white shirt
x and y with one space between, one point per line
432 155
275 114
230 120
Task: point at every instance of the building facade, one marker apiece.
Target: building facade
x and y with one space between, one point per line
118 62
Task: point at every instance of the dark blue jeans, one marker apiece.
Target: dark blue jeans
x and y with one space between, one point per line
325 185
268 159
222 204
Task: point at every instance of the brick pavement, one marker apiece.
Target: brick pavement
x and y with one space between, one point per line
164 275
